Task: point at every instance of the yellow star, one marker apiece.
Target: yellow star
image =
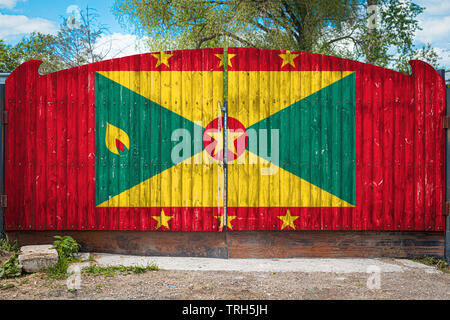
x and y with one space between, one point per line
229 219
163 58
218 136
288 58
162 220
230 56
288 220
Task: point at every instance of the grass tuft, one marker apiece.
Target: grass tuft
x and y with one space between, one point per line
110 271
440 264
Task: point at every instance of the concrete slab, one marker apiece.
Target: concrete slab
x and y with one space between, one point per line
37 257
347 265
420 266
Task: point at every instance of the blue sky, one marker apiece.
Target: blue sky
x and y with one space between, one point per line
20 17
52 10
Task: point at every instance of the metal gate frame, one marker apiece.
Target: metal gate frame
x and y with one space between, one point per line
3 122
447 173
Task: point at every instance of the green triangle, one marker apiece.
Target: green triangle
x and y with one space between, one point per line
317 139
150 128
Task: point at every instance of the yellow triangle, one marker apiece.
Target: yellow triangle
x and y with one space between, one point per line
256 95
255 182
191 183
194 95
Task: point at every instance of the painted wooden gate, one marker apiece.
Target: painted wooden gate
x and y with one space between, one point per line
312 142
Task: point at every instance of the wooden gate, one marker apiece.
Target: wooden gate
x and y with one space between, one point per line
312 142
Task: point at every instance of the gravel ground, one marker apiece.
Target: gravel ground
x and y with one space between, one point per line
414 282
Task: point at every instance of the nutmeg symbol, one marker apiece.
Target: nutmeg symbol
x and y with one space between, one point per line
117 140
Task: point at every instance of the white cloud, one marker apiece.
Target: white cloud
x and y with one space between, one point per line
444 56
9 4
11 25
118 45
435 24
434 7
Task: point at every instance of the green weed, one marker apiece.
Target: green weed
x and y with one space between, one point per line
6 286
11 268
436 262
67 248
7 246
110 271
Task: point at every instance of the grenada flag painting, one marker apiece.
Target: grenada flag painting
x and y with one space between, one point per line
237 140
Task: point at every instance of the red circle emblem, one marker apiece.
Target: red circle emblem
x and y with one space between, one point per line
213 139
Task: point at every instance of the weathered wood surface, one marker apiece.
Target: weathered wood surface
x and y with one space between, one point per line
254 244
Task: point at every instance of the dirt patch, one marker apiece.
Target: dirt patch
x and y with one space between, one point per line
414 284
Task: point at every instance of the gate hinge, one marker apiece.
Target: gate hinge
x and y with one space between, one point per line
446 122
3 201
4 117
446 208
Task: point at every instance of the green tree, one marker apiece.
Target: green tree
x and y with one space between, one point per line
392 34
39 46
36 46
290 24
344 28
425 53
8 58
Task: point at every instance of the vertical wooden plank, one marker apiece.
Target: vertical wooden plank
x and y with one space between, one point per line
135 124
377 166
41 156
188 60
51 125
29 104
346 213
423 222
399 154
61 151
415 212
388 151
442 103
72 147
94 216
82 135
367 151
144 196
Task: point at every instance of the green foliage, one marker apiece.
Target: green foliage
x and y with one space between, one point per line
39 46
11 268
339 28
74 45
426 53
7 246
67 248
9 59
287 24
110 271
441 264
393 35
36 46
6 286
